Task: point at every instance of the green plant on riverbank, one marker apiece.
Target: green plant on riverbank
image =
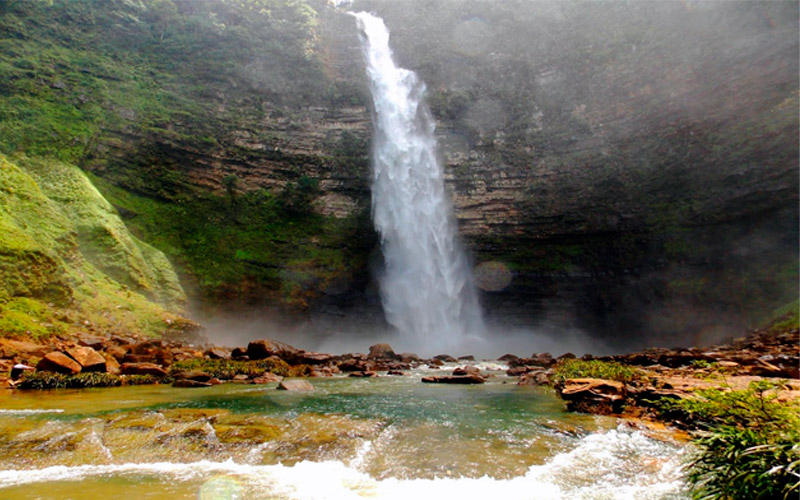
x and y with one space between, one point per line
750 445
607 370
226 369
50 380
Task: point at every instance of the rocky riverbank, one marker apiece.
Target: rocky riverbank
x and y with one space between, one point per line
633 385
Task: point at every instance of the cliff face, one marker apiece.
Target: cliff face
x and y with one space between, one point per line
635 168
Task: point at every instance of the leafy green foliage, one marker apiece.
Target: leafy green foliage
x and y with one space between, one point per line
750 447
608 370
265 252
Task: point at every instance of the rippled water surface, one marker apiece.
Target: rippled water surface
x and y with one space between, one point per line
390 437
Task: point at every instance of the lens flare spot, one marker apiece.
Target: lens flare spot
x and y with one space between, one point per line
492 276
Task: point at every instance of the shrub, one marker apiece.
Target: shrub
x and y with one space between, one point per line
748 446
608 370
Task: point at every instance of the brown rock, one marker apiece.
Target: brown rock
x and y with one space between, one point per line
453 379
216 353
89 359
185 382
295 385
267 378
367 374
13 348
197 375
142 369
538 377
58 362
381 351
467 370
264 348
164 357
592 395
117 352
92 341
507 357
112 365
446 358
314 358
239 353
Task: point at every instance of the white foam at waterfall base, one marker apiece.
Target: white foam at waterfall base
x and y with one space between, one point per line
617 464
427 288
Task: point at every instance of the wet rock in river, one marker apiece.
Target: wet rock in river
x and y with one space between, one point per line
295 385
454 379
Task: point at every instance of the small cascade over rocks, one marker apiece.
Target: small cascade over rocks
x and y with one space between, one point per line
427 286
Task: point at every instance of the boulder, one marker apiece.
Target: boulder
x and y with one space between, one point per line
507 357
92 341
117 352
112 365
313 358
408 357
544 359
239 353
295 385
454 379
355 365
593 395
445 358
535 377
382 351
395 372
216 353
89 359
264 348
468 357
367 374
142 369
58 362
11 348
467 370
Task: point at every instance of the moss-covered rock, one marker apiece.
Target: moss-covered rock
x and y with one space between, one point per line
67 261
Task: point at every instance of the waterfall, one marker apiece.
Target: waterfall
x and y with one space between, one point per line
426 288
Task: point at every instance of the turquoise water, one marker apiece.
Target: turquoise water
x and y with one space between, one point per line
388 437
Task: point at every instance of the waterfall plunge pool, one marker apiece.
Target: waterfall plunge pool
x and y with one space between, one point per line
388 437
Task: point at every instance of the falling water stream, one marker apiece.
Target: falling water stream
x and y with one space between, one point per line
426 288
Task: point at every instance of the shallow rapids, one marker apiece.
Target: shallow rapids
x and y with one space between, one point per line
390 437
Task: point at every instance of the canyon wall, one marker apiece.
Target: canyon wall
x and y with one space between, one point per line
634 167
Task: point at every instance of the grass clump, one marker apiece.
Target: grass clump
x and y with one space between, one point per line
749 445
607 370
50 380
226 369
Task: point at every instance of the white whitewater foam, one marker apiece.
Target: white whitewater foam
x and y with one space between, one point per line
29 412
617 464
427 287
